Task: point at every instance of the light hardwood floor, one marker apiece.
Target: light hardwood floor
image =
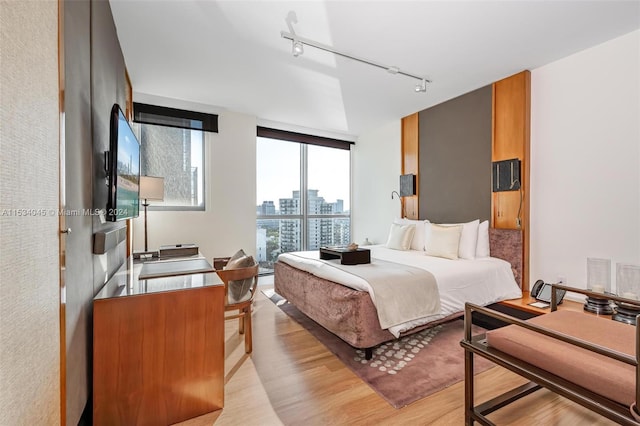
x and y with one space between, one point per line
292 379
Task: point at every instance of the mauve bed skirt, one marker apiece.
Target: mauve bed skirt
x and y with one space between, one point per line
347 313
351 315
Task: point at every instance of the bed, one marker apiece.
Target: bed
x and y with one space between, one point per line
349 312
590 360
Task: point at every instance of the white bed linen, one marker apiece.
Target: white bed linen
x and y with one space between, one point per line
482 281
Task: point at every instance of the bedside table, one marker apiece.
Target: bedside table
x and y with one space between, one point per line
522 304
521 309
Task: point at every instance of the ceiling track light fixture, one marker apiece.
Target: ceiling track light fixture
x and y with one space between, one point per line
297 50
422 86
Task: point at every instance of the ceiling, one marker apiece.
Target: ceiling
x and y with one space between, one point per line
230 54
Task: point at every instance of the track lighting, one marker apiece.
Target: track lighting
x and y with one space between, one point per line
297 49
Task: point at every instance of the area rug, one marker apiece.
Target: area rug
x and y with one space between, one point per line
404 370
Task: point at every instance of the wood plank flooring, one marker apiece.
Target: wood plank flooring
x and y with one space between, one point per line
292 379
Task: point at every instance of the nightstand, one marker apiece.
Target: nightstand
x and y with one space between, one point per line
522 304
521 309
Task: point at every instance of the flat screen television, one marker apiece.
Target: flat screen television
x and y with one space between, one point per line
124 169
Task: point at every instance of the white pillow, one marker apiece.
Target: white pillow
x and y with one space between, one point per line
468 239
400 236
444 241
417 243
482 248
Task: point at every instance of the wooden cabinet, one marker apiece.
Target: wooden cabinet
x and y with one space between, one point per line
158 349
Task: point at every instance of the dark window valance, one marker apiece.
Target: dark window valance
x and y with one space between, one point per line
265 132
173 117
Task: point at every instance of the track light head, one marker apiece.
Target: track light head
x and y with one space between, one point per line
297 49
421 87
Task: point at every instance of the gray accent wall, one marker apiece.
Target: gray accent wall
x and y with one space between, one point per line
455 159
95 80
78 178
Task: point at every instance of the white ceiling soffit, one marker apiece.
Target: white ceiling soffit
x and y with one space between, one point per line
230 53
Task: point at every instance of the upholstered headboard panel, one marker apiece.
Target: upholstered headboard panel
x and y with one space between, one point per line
455 158
506 244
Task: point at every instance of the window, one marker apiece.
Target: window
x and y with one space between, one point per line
328 196
303 194
173 147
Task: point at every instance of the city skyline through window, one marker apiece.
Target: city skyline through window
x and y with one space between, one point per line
278 171
303 198
177 155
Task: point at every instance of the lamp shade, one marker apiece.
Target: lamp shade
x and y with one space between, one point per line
152 188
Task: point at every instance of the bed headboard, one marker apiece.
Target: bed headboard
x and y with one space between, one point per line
506 244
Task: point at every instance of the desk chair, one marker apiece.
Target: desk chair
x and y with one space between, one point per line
240 286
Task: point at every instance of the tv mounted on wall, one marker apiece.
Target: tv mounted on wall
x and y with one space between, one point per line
123 164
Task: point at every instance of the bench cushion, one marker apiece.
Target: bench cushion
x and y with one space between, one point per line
607 377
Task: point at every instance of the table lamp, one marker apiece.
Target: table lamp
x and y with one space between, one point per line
151 188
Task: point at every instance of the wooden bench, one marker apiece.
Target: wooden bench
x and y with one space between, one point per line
589 360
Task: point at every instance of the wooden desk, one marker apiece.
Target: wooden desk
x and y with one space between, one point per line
158 348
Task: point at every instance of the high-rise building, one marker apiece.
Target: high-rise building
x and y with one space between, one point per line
322 231
290 229
267 208
261 245
165 157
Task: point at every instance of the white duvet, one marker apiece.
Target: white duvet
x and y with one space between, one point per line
482 281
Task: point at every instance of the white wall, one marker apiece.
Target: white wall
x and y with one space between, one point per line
229 221
585 171
29 179
585 161
375 173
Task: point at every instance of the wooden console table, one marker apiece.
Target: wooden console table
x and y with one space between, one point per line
158 348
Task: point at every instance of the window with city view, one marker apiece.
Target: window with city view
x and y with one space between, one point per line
177 155
172 147
303 196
